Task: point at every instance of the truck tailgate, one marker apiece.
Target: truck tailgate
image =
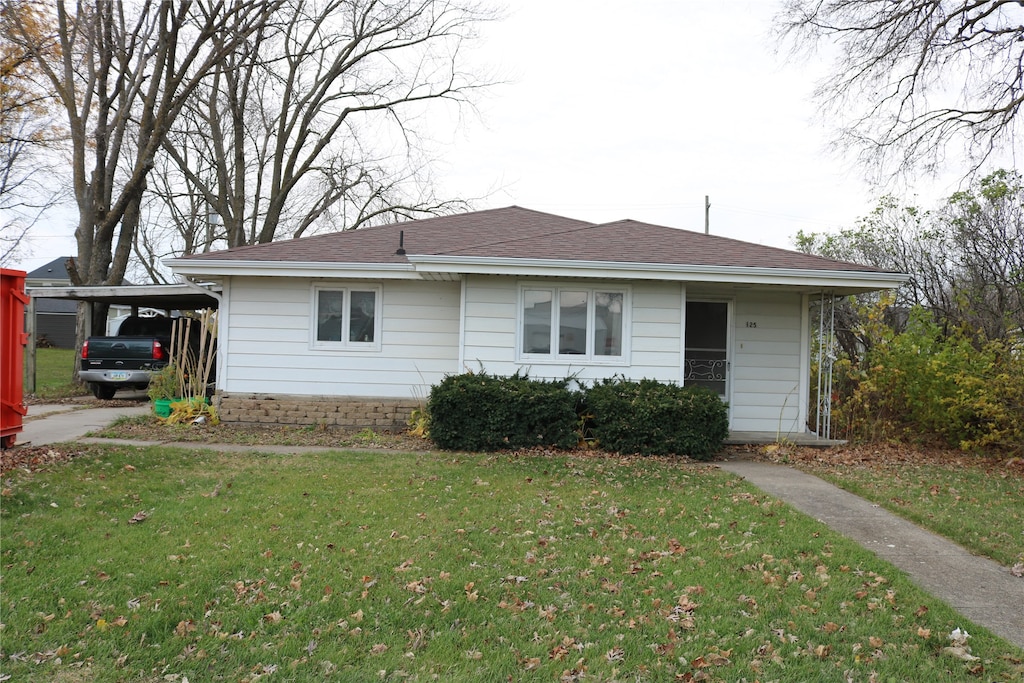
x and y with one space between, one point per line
120 348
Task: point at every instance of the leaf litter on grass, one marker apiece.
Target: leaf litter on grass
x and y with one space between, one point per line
347 565
974 500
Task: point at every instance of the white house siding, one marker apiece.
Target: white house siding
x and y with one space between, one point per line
269 341
489 341
766 382
768 386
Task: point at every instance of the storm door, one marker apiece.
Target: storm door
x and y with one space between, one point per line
706 347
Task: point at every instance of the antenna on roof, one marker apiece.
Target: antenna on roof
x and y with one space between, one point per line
401 243
707 215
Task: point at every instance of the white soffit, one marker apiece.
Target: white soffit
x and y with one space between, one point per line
448 268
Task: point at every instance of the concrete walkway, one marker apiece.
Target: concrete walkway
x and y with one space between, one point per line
54 423
982 590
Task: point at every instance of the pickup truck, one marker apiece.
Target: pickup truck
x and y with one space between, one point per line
142 346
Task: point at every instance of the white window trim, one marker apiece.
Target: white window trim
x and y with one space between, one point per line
575 359
344 344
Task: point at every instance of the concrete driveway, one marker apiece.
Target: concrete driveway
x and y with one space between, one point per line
53 423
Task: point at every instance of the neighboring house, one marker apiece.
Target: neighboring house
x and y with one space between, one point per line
355 327
55 318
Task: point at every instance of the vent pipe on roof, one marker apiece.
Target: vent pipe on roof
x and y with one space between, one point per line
401 243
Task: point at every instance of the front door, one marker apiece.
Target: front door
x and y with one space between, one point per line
706 347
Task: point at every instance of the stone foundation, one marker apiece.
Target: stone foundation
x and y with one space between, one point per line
348 412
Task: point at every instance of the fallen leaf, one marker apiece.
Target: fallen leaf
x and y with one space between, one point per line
184 626
139 516
616 654
961 652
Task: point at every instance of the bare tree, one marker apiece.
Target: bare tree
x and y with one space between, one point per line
965 258
312 123
986 225
913 77
28 132
122 75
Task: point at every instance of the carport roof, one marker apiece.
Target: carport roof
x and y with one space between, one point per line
168 297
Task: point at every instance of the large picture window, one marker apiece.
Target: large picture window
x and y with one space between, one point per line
582 323
347 318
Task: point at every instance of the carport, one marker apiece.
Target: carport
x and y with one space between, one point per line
178 297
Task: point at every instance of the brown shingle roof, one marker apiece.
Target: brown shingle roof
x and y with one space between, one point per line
515 232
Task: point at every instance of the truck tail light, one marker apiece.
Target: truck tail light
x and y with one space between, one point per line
158 350
85 349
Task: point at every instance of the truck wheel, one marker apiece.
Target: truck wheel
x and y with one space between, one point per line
103 391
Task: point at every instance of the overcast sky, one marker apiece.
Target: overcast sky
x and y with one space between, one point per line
638 110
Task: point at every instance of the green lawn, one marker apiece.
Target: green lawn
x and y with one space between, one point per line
975 501
391 566
53 374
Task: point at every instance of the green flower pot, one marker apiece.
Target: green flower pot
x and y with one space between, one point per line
162 406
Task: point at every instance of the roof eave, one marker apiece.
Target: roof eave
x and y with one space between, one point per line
452 267
221 267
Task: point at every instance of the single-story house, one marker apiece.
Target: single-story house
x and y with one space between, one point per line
353 328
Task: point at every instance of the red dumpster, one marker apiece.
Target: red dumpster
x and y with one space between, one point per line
12 349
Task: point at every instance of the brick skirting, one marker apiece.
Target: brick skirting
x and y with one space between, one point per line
331 411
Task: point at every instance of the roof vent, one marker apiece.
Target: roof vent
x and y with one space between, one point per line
401 243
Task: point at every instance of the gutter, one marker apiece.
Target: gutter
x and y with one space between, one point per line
425 266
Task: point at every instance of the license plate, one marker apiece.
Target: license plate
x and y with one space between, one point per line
119 375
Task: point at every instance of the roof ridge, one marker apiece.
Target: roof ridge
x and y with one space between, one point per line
511 240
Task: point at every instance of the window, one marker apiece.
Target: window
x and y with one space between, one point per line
347 318
572 323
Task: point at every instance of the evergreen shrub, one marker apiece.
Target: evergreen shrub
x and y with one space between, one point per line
653 418
482 412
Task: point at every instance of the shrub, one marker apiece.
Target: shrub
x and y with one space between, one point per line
482 412
653 418
924 383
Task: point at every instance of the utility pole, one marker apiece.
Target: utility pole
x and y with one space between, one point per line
707 215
